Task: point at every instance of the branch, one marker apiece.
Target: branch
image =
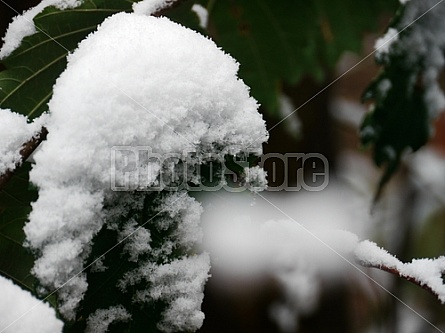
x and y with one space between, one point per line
27 149
425 273
396 272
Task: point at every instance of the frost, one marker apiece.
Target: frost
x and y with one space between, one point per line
202 14
99 321
22 313
14 132
23 25
173 100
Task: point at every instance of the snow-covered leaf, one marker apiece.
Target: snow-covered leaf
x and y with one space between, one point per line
406 95
27 89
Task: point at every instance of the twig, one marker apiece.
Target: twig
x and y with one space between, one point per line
27 149
395 271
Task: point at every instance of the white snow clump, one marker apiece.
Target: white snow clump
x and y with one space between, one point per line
101 319
14 132
138 81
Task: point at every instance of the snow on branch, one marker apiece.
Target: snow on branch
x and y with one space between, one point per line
426 273
18 140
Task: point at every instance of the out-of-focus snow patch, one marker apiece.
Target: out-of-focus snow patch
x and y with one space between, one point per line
202 14
383 44
299 240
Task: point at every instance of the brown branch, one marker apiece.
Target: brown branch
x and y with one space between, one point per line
27 149
394 271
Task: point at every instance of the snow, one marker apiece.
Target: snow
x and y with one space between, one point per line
149 7
168 96
249 237
101 319
255 178
177 283
347 112
383 44
14 132
427 168
417 43
427 272
184 295
369 254
22 313
287 111
23 25
202 14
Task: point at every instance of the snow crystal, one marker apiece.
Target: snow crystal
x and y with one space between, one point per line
23 25
174 91
22 313
14 132
101 319
383 44
202 14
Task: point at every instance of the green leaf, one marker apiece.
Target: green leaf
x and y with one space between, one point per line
15 204
403 109
285 40
32 69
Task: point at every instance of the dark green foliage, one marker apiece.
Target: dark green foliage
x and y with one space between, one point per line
403 106
15 204
283 40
